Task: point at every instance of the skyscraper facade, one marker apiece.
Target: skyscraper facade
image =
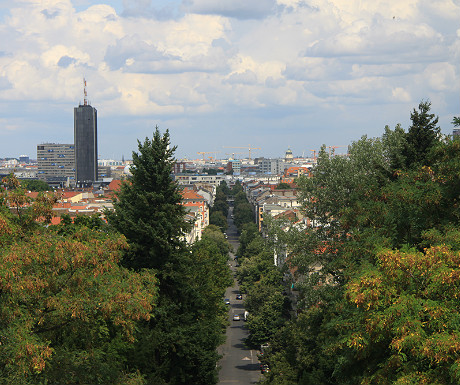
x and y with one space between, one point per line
85 140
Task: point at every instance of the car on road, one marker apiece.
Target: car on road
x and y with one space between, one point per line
227 301
236 317
264 368
239 296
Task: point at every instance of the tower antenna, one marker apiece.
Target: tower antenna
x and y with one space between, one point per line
85 101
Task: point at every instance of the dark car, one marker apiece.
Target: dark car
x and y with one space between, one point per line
239 296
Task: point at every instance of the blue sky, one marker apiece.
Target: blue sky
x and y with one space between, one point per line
268 73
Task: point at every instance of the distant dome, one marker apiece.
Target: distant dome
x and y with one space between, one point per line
127 170
289 154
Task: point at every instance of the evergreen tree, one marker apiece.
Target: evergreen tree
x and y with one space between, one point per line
148 210
423 135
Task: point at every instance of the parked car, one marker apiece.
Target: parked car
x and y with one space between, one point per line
239 296
227 301
236 317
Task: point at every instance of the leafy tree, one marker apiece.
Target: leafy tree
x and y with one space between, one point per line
237 187
35 185
243 213
218 219
376 269
69 311
248 233
29 212
220 206
408 299
224 188
283 186
210 171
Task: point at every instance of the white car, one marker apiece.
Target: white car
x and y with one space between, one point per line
236 317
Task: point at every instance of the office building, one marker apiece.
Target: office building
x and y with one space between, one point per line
85 137
271 166
56 162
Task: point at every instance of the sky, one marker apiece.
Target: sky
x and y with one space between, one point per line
268 74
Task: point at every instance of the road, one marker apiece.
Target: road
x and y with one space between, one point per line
239 365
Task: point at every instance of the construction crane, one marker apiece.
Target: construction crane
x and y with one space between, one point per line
203 153
233 154
332 149
314 155
247 147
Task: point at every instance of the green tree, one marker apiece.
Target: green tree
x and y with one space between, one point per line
178 345
423 135
243 213
218 219
282 186
35 185
148 210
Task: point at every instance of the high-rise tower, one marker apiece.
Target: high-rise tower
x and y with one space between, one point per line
85 140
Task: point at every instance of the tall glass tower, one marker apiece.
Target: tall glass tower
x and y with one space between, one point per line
85 140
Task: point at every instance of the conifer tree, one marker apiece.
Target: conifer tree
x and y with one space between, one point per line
422 136
148 210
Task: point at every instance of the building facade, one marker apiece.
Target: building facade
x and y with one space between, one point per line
56 162
85 138
271 166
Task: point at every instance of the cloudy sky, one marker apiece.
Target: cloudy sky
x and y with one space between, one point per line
264 73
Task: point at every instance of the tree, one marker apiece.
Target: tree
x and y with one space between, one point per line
408 300
179 344
68 310
148 210
218 219
35 185
422 136
283 186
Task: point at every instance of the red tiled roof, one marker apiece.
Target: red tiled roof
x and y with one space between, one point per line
69 194
115 185
191 195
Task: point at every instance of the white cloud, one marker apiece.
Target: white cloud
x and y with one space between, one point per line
400 95
441 77
179 60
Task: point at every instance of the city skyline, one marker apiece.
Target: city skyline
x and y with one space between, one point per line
273 74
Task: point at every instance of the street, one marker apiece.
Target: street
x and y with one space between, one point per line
239 364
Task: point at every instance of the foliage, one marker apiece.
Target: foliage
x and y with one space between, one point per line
218 219
210 171
248 233
409 299
376 267
69 311
28 212
243 214
179 345
283 186
422 136
148 210
35 185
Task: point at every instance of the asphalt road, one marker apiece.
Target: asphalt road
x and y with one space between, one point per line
239 365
